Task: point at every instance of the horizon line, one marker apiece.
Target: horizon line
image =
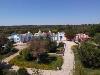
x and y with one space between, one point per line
48 24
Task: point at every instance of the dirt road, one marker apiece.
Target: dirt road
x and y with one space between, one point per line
19 47
68 65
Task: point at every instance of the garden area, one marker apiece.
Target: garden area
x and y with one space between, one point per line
6 47
56 62
20 71
37 55
87 57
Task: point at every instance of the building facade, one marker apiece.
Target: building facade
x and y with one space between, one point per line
53 36
81 37
21 37
29 36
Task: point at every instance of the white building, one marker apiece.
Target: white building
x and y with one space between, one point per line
60 36
38 34
21 37
54 36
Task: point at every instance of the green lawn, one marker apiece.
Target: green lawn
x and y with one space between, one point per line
80 69
19 61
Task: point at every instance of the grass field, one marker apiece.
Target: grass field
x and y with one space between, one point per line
19 61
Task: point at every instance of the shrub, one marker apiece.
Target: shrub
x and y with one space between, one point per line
10 72
1 72
43 58
14 50
89 55
20 53
7 48
61 44
22 71
60 50
52 47
74 47
97 38
26 55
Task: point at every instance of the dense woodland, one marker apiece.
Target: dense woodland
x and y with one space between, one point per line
70 30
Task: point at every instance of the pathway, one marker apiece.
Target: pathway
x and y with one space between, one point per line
68 64
19 47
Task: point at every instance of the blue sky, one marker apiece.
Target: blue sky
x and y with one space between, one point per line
18 12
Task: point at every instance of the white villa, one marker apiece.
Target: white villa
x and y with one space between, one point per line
18 38
60 36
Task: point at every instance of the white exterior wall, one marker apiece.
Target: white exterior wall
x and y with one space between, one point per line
21 37
16 38
59 36
55 37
